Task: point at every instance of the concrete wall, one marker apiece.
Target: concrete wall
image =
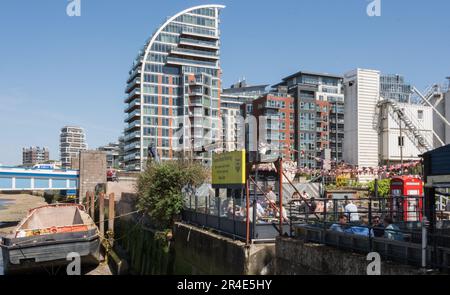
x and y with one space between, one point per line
201 252
294 257
92 171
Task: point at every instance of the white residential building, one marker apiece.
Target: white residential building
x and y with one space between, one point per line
72 141
396 140
361 90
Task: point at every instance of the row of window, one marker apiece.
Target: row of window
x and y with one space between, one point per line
148 110
156 68
154 121
196 20
153 89
178 28
152 78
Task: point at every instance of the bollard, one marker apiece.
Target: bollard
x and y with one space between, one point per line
424 242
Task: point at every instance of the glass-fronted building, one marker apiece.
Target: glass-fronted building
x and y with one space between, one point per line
319 116
395 88
173 90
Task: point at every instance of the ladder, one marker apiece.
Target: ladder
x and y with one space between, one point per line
422 143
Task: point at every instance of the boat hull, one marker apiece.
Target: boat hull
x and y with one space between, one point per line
35 252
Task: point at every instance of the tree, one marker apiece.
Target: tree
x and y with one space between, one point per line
384 187
159 189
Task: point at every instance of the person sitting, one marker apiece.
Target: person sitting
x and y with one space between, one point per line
362 230
378 227
271 195
296 199
342 224
283 212
392 231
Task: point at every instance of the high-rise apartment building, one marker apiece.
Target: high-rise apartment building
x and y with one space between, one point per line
362 94
319 116
394 87
231 101
112 154
34 155
274 112
72 141
173 90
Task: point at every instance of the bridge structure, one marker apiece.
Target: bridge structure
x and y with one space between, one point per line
26 179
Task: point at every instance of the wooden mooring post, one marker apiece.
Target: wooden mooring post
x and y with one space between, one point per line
111 217
92 206
101 207
86 202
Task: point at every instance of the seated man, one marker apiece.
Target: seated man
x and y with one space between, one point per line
342 224
392 231
362 230
378 227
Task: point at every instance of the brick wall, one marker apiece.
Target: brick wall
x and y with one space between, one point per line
92 171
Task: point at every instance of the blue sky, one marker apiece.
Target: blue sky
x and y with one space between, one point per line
56 70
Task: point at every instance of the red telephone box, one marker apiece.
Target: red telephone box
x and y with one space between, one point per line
407 198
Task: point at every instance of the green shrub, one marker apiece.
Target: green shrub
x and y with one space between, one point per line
159 189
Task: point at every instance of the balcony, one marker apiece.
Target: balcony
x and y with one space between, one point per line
190 62
197 102
135 73
195 53
134 94
133 135
133 146
134 125
195 92
135 104
198 43
191 33
133 84
133 156
133 115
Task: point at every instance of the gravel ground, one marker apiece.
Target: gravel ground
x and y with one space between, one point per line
15 209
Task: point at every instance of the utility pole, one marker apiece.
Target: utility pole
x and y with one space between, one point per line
401 145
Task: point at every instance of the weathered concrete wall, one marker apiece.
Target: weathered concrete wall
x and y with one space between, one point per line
294 257
199 251
92 171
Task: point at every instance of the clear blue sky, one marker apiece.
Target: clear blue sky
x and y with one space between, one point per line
56 70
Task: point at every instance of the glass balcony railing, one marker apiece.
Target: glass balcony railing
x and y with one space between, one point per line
184 61
208 54
132 135
134 103
129 147
201 43
133 114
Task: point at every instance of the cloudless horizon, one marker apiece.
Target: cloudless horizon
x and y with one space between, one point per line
57 70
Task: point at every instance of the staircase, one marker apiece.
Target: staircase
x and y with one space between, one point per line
422 143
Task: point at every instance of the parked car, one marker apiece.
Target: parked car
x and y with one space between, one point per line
111 175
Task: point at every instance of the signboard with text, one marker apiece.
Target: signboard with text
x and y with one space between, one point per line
228 169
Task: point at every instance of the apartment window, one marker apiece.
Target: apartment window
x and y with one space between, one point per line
420 114
401 141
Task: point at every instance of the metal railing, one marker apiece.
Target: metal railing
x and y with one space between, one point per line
394 226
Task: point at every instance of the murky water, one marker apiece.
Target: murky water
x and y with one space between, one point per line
1 263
